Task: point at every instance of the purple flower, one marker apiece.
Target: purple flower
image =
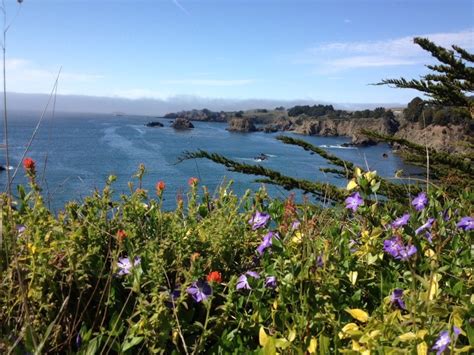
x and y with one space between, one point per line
200 291
406 252
267 242
428 224
398 250
270 282
20 228
259 220
401 221
319 261
172 297
125 265
295 225
243 282
78 340
396 298
444 340
354 201
428 237
466 223
420 201
254 274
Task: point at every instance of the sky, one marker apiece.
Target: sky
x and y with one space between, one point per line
275 50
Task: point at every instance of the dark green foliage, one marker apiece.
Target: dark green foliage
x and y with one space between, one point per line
312 111
427 113
414 110
387 188
322 191
452 81
379 112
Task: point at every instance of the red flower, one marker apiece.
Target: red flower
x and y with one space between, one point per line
192 181
29 164
121 235
214 276
160 186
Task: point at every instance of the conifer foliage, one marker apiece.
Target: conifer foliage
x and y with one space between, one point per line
451 82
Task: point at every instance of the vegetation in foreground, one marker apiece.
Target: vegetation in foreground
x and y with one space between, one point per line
222 274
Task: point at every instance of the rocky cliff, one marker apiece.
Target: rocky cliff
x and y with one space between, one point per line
244 125
450 138
346 127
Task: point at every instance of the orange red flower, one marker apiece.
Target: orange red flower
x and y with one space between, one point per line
29 164
193 181
160 186
214 276
121 235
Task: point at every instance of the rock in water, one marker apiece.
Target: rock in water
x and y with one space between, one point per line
241 125
154 124
182 123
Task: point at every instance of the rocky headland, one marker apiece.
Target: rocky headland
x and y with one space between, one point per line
323 120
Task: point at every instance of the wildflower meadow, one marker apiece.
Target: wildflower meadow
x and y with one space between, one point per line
227 274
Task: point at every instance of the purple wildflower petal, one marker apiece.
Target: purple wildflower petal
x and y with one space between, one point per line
444 340
398 250
428 237
270 282
319 261
428 224
259 220
396 298
295 225
267 242
20 228
466 223
254 274
420 201
407 252
354 201
401 221
243 283
125 265
200 291
392 246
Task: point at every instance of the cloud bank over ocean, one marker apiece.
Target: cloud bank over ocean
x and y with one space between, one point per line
158 107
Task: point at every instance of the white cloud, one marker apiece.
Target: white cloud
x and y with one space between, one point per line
338 56
209 82
140 94
26 76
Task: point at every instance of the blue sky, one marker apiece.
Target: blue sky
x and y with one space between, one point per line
281 50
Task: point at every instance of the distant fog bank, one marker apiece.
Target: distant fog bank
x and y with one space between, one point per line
159 107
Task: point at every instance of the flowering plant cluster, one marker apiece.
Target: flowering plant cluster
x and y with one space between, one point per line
224 274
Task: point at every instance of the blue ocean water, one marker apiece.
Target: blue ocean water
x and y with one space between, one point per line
75 153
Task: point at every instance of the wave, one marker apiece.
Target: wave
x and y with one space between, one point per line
337 146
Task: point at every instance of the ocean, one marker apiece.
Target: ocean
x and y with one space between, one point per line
75 153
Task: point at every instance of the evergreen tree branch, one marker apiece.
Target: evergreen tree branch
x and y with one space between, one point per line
323 191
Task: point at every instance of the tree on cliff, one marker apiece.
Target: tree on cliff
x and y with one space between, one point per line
452 81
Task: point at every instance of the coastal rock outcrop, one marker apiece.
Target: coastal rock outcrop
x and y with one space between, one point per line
243 125
347 127
280 124
154 124
450 138
182 123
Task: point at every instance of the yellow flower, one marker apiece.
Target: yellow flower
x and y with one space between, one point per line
351 185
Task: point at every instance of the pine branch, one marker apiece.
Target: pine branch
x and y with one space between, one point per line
463 163
323 191
387 188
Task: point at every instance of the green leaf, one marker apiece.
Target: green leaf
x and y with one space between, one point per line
131 343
